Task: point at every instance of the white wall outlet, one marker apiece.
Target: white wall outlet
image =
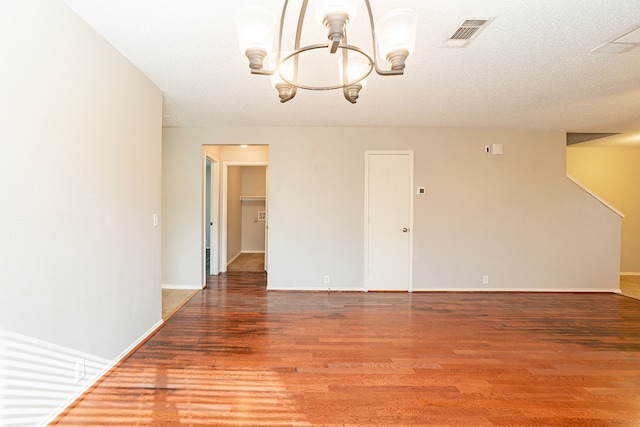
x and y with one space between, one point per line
79 371
487 149
327 280
485 280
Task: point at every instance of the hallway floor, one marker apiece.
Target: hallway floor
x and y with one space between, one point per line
251 262
630 286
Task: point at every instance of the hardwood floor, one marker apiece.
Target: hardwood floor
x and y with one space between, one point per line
236 354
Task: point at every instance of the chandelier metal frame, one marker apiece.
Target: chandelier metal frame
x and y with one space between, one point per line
288 87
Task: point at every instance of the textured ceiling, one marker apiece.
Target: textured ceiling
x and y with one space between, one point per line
531 68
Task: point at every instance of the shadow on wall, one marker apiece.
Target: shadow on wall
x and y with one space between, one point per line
38 379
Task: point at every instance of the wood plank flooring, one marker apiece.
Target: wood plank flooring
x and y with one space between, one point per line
236 354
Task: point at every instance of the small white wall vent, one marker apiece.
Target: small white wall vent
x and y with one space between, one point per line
466 32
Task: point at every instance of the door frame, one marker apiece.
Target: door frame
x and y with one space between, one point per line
214 268
223 209
367 155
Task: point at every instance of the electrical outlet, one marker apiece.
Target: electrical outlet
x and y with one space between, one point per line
79 370
485 280
327 280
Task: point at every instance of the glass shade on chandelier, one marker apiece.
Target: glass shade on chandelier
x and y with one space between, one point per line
391 41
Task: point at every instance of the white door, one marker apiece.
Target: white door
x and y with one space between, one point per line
388 221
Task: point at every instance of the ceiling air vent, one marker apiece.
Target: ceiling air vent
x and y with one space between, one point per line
466 32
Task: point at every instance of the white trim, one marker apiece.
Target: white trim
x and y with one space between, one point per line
411 193
511 290
630 274
102 373
444 290
368 153
179 286
215 216
314 289
595 196
252 252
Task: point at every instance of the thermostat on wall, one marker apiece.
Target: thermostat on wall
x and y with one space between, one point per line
494 149
497 149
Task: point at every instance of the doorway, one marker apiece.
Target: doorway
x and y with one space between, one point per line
211 218
244 216
388 220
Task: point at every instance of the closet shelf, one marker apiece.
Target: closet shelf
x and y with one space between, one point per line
252 198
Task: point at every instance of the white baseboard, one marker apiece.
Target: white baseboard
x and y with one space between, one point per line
179 286
252 252
537 290
102 373
324 288
331 289
630 274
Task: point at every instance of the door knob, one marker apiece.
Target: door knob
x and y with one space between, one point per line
405 229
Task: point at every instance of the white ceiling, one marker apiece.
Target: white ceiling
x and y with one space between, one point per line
531 68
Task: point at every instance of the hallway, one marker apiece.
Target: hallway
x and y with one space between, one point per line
248 262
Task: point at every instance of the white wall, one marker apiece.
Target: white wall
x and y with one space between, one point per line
515 217
613 173
80 141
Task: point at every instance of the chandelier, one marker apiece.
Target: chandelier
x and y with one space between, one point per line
392 40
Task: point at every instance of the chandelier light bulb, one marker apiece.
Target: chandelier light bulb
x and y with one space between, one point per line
335 15
326 7
283 70
357 67
396 34
354 69
256 32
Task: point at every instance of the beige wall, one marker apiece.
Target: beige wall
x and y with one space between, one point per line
515 217
80 140
254 180
614 174
253 231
